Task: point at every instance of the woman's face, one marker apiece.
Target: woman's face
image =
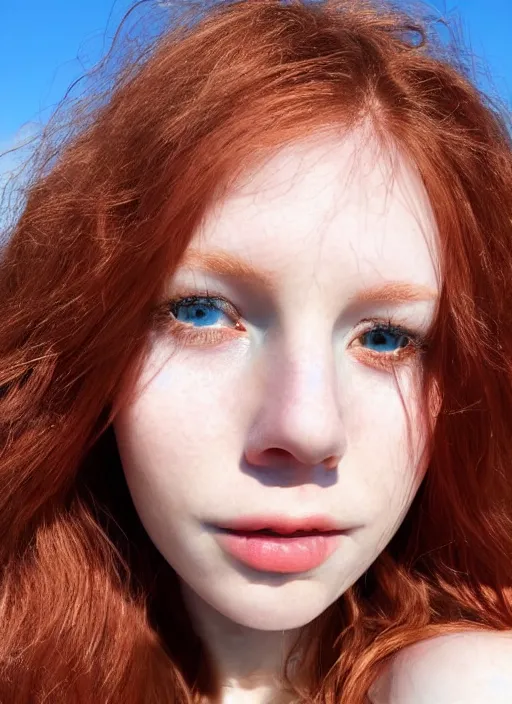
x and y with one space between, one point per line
280 391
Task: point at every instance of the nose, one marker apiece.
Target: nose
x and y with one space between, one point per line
299 419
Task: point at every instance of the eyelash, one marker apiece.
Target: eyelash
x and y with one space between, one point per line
189 335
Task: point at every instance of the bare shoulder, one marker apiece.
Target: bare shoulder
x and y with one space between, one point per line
460 668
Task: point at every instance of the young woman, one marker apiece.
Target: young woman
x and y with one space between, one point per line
256 376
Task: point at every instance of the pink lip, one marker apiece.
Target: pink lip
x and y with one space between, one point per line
297 546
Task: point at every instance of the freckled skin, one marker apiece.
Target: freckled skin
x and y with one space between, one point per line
242 425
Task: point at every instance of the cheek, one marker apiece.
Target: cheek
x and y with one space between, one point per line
159 449
155 459
172 432
386 436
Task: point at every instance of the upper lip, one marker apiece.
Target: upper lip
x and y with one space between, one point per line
283 525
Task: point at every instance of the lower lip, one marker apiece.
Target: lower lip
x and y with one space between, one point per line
285 555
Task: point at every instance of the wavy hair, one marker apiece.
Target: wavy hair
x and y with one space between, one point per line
90 612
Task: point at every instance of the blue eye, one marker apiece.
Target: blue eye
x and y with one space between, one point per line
385 339
200 311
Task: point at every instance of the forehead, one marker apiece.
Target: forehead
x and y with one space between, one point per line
330 205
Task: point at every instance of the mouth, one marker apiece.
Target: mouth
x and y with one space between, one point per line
278 534
279 544
282 525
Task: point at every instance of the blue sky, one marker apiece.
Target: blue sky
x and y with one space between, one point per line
45 45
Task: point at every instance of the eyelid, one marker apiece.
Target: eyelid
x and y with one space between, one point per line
191 336
227 307
182 291
369 324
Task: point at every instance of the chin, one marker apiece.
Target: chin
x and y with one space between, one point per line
270 619
273 603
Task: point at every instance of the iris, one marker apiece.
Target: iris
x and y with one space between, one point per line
199 311
384 339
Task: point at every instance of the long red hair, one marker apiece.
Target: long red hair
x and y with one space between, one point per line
89 611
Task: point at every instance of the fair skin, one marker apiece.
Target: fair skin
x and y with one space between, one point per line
460 668
291 408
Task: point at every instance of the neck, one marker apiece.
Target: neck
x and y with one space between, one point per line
249 663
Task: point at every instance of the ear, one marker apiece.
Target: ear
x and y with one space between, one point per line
461 668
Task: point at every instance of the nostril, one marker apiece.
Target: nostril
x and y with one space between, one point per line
277 457
278 452
332 462
281 458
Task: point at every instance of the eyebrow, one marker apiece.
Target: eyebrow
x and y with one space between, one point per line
395 292
226 264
